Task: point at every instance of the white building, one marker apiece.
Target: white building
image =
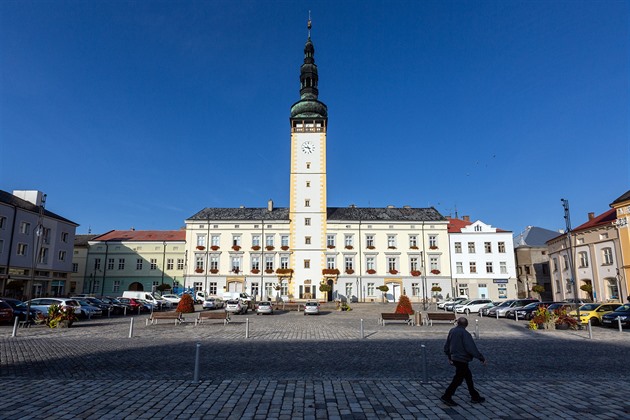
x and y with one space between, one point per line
35 246
482 260
293 252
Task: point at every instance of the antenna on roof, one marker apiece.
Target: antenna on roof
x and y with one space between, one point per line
309 25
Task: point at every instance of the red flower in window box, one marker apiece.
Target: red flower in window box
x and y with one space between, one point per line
330 271
268 271
393 271
435 271
413 247
349 247
433 247
269 248
349 271
256 247
214 247
214 270
284 248
255 271
284 271
201 247
371 271
330 247
199 270
391 247
236 247
370 247
415 273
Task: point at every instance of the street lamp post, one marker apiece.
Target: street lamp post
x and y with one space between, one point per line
37 233
567 219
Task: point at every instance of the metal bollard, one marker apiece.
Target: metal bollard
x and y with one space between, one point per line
477 329
516 316
497 312
590 331
362 334
196 374
246 327
15 326
619 324
125 311
131 328
425 373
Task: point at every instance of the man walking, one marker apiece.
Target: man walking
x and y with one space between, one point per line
461 349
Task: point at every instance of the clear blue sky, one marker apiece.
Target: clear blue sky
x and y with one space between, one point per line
143 113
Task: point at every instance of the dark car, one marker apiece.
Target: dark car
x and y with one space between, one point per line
118 308
527 312
562 306
611 319
20 308
517 304
6 312
135 304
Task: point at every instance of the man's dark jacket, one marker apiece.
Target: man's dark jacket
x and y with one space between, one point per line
460 346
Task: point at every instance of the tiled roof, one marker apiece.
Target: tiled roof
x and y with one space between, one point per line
603 219
623 198
142 235
334 213
10 199
82 240
456 225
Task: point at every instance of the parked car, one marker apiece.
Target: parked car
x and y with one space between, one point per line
42 304
235 306
512 306
19 309
441 305
484 311
594 312
135 304
105 307
527 312
213 302
562 306
6 312
448 306
622 312
88 310
471 306
118 308
174 299
264 307
311 308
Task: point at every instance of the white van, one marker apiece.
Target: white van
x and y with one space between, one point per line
244 297
157 302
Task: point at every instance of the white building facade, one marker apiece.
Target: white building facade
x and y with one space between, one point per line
482 260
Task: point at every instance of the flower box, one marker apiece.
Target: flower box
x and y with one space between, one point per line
269 248
433 247
236 247
435 272
268 271
349 247
370 271
330 271
255 271
391 247
330 247
214 270
284 271
413 247
198 270
371 247
393 271
415 273
256 247
214 247
200 247
284 247
349 271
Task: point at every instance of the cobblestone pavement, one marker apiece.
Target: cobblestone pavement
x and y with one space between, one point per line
310 367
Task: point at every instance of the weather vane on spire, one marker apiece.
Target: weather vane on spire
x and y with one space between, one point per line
309 25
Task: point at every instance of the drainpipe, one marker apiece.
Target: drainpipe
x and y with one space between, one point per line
10 250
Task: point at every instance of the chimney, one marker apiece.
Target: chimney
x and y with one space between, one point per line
270 205
466 218
389 206
591 216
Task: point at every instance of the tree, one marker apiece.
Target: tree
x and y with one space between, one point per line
538 288
588 288
163 287
186 304
404 306
383 289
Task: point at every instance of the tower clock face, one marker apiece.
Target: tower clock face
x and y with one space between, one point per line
308 147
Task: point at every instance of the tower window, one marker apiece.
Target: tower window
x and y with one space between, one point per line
307 221
307 203
308 184
308 165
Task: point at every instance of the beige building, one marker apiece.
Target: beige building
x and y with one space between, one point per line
622 207
532 262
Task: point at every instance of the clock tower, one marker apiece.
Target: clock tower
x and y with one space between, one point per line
307 212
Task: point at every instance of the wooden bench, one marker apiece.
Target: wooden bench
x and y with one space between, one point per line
223 315
176 316
440 316
287 306
393 317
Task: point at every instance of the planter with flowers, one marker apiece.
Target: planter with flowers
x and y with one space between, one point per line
214 270
330 247
284 271
436 272
415 273
284 247
349 271
214 247
201 247
198 270
564 321
269 248
60 317
393 271
371 247
371 271
255 271
268 270
256 247
391 247
236 247
349 247
433 247
330 271
413 247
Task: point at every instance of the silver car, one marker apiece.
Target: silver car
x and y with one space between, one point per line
311 308
264 307
42 304
235 306
213 303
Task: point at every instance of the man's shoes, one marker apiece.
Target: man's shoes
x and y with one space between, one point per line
448 401
477 400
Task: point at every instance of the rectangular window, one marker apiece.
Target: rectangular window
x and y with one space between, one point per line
458 247
307 203
201 240
64 237
308 184
307 240
97 264
370 264
255 263
121 263
489 267
236 264
139 264
503 267
348 240
608 256
391 241
269 240
284 240
199 263
330 262
180 263
583 259
348 290
215 240
153 264
116 287
413 264
212 288
502 247
434 263
43 256
256 240
307 221
349 263
3 222
214 262
46 236
269 263
307 263
75 267
371 289
487 246
415 289
555 264
471 247
169 263
473 267
433 241
459 267
565 262
25 228
284 262
391 264
413 241
369 241
236 240
110 263
330 241
527 270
